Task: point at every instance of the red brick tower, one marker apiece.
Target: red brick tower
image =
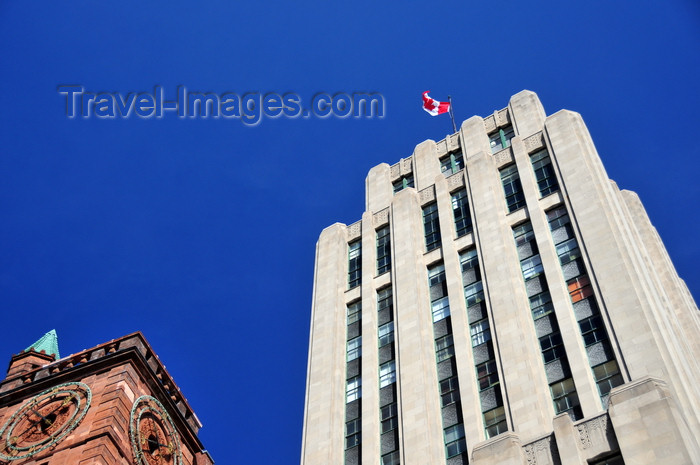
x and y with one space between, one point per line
112 404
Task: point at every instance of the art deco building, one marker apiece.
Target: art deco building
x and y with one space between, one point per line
114 404
501 301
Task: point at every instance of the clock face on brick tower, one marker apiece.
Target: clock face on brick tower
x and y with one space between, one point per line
44 420
154 439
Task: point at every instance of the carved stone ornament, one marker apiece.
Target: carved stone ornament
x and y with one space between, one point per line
427 195
355 230
534 142
406 166
489 124
381 217
395 171
504 157
455 181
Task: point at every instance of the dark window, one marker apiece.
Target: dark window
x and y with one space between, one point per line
544 173
389 417
383 250
452 163
431 224
460 209
354 264
353 435
512 188
449 391
384 299
392 458
501 139
541 305
403 183
592 330
552 347
487 374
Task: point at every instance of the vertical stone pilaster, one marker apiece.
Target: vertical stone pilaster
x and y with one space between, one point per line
421 423
426 165
370 358
526 113
567 441
324 418
378 188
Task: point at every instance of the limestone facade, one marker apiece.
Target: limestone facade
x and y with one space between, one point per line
606 371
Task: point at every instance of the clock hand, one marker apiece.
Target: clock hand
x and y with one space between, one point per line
46 420
158 444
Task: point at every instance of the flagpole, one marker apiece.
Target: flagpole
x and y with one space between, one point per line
452 115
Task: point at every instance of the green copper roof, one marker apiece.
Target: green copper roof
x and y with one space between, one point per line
48 343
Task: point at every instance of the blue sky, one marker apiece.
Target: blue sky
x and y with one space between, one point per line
201 232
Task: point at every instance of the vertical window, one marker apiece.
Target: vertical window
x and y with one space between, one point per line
389 418
552 347
501 139
460 209
565 398
444 348
607 376
354 348
392 458
544 173
495 422
449 391
386 334
579 288
384 299
353 429
431 224
439 302
452 163
387 373
480 332
487 375
383 250
541 305
354 312
403 183
353 389
354 264
512 188
455 443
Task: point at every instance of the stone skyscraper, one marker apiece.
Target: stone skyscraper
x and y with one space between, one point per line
501 301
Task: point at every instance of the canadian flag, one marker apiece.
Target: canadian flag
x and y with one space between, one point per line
433 106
